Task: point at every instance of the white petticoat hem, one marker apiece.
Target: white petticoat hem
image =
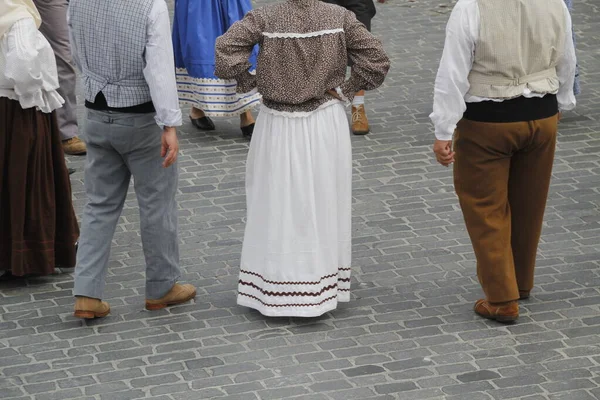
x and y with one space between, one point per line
245 301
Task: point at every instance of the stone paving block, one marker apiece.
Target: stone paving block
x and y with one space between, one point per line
569 385
474 396
289 392
395 387
467 388
243 388
60 395
246 377
12 393
481 375
330 386
516 392
573 395
128 395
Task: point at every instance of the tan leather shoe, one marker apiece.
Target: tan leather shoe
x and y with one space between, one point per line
523 294
501 312
74 147
360 123
178 294
88 308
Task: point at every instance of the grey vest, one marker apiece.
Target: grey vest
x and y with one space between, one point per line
520 43
110 40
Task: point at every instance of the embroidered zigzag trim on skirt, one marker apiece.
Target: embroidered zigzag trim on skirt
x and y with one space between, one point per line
307 298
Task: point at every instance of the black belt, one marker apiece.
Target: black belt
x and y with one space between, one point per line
100 104
514 110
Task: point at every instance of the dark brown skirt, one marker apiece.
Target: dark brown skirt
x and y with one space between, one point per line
38 227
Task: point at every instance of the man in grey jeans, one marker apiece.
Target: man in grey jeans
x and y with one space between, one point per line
54 28
125 54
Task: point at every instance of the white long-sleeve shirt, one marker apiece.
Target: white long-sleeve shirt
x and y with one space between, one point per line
452 81
159 71
28 68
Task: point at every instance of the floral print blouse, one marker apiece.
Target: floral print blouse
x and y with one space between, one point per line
304 50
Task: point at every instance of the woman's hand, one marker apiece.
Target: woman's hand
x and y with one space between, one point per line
334 94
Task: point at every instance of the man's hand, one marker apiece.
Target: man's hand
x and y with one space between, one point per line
169 146
443 152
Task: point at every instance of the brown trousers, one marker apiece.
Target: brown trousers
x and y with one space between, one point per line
502 176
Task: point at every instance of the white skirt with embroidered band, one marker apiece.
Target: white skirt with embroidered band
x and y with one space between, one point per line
297 245
216 97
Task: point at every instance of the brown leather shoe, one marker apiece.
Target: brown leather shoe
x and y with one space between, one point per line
74 147
178 294
523 294
88 308
360 123
501 312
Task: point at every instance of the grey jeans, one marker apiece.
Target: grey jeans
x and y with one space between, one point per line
121 146
54 28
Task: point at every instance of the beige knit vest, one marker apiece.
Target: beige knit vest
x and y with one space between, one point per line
520 43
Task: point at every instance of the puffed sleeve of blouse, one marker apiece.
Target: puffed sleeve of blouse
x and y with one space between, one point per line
233 50
370 62
31 66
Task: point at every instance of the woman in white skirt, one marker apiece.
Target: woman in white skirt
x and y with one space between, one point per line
296 257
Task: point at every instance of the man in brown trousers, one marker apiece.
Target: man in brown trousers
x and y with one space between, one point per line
506 71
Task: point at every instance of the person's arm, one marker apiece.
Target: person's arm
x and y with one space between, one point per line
452 81
159 71
370 62
233 50
74 52
31 67
566 68
21 54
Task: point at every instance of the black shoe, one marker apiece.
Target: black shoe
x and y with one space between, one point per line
248 130
71 171
6 276
204 123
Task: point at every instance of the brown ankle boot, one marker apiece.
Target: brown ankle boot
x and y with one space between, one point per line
501 312
177 295
74 146
360 123
89 308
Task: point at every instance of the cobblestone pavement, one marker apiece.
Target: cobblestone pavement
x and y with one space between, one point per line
409 332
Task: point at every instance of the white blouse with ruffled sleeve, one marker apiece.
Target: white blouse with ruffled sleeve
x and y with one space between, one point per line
28 68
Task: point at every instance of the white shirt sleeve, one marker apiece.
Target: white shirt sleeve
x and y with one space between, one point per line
31 67
159 71
566 68
452 81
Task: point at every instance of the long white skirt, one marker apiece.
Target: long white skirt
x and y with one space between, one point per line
297 245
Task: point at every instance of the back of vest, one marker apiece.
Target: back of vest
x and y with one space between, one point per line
520 43
110 40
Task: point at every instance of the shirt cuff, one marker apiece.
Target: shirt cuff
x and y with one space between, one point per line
567 106
169 118
444 134
348 90
246 83
340 93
